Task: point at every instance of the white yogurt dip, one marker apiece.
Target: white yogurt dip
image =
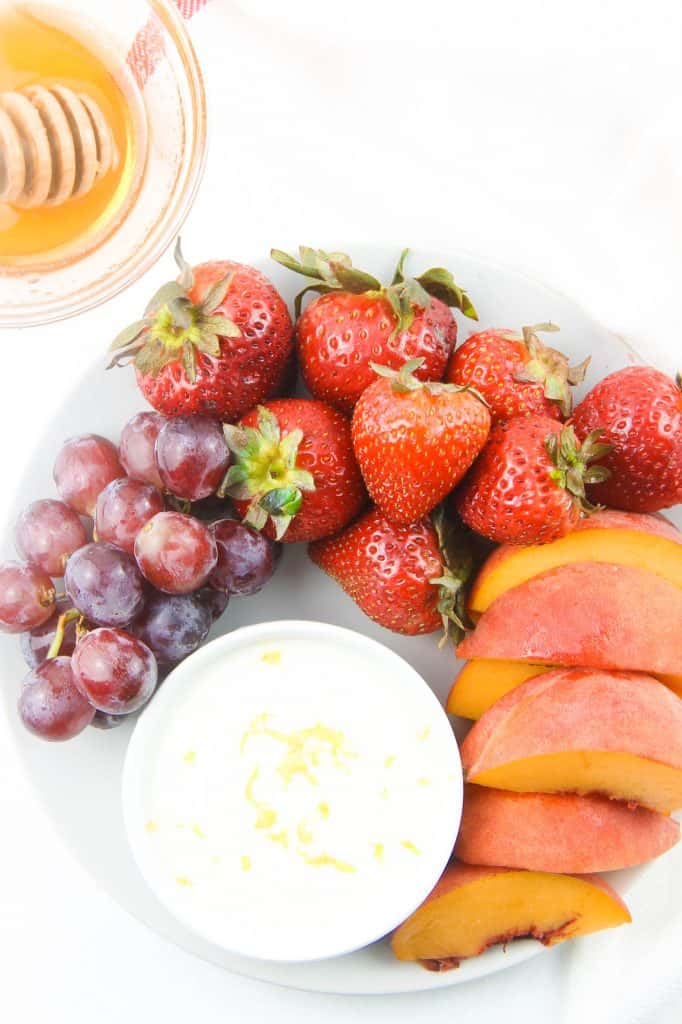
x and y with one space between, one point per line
293 792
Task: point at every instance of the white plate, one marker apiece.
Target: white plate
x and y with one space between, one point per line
79 781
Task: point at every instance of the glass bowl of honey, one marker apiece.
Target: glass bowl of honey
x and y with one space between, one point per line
102 147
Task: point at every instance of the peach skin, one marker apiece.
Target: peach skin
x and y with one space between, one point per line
587 613
582 731
647 542
483 681
559 832
472 908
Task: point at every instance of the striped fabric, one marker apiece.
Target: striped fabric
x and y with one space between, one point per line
148 45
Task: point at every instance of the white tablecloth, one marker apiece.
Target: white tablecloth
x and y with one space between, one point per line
540 135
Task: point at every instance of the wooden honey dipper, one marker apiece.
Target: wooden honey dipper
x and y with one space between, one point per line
54 145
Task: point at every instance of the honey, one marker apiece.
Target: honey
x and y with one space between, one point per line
38 49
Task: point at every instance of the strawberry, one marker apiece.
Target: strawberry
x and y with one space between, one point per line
415 441
294 473
409 579
518 375
640 410
214 343
356 320
528 484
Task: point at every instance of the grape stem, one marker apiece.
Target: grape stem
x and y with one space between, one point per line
62 623
81 629
179 504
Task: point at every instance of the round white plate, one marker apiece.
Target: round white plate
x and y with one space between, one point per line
79 781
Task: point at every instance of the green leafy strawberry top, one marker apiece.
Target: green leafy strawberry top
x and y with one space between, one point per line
571 463
174 327
550 367
403 381
265 472
462 554
334 272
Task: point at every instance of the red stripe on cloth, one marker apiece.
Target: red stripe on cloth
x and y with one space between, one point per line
189 7
147 48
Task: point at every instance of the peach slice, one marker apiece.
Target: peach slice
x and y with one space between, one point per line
622 538
472 908
587 613
483 681
559 831
582 731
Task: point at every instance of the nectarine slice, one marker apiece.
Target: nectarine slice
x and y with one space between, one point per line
483 681
559 831
588 613
582 731
643 542
472 908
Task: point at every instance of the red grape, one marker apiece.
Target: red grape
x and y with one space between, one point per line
212 508
215 600
123 507
172 625
27 597
104 584
83 468
175 552
192 456
47 532
36 644
136 447
50 704
246 558
114 670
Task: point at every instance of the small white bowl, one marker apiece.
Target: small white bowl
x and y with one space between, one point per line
293 792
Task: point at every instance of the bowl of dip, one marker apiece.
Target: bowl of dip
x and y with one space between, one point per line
293 792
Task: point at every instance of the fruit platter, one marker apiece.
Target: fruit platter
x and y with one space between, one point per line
412 453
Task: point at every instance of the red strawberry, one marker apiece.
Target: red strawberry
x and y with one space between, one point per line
640 410
528 484
294 473
415 441
214 343
356 321
409 579
518 375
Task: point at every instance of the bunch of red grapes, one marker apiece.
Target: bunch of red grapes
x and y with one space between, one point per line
142 594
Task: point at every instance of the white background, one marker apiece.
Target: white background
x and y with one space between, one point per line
542 135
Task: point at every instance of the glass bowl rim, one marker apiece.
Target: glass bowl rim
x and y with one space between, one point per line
94 293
